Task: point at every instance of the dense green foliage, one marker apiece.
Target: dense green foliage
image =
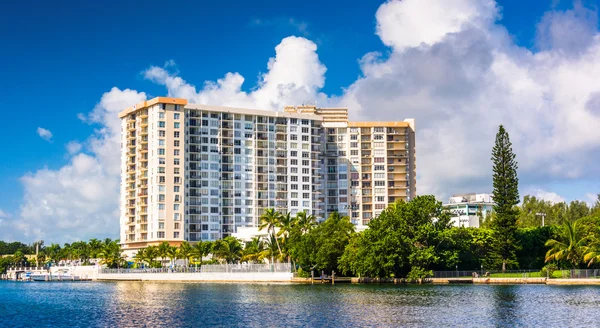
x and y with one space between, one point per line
407 239
555 213
506 197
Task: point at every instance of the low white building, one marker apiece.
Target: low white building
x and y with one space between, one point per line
468 209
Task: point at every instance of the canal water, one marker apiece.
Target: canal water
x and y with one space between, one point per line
138 304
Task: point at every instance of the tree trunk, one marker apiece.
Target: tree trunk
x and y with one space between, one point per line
503 266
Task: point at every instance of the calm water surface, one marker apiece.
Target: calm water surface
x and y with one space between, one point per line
135 304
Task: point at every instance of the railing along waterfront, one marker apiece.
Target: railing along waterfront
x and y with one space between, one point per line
209 268
557 274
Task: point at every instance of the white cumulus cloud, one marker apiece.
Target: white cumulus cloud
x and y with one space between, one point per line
44 134
81 199
294 76
545 195
73 147
452 66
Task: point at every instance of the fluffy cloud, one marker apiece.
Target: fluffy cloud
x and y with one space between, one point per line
81 199
44 134
73 147
294 76
3 214
545 195
463 77
452 66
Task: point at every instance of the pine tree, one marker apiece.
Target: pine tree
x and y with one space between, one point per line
506 197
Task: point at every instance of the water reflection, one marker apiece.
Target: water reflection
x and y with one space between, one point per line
505 306
139 304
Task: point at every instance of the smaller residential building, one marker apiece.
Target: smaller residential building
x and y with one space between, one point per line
467 210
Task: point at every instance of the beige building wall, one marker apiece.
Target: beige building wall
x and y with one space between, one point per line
152 139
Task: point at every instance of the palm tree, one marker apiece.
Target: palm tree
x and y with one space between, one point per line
228 249
140 256
253 251
570 246
305 222
54 253
185 251
201 249
111 255
173 253
151 254
95 247
592 251
163 248
269 220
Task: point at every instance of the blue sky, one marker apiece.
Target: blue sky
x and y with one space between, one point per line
59 58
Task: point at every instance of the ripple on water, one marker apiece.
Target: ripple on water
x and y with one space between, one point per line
135 304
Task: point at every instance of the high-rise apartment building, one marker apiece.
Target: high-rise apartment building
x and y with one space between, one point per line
197 172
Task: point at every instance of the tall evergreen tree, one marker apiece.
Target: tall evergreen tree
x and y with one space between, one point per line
506 197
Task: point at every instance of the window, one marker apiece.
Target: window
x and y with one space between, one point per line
161 169
176 143
161 124
176 170
163 106
176 189
294 203
176 161
305 195
176 116
161 133
176 125
161 142
176 226
161 151
161 161
379 167
175 152
161 179
294 153
176 207
176 134
161 225
294 137
160 234
161 198
161 207
161 115
175 107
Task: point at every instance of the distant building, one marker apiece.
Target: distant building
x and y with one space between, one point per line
467 209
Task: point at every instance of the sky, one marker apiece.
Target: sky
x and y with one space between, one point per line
459 67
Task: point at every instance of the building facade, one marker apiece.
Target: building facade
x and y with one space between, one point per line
467 210
196 172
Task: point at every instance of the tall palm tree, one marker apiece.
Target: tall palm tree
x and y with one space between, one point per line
151 254
570 246
269 220
95 247
201 249
592 251
173 254
228 249
111 255
163 249
253 251
54 251
140 257
185 251
305 221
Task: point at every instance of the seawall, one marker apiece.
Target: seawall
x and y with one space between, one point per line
198 277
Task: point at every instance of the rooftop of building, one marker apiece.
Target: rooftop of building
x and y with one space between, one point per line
302 112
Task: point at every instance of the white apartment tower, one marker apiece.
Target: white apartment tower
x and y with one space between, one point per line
197 172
